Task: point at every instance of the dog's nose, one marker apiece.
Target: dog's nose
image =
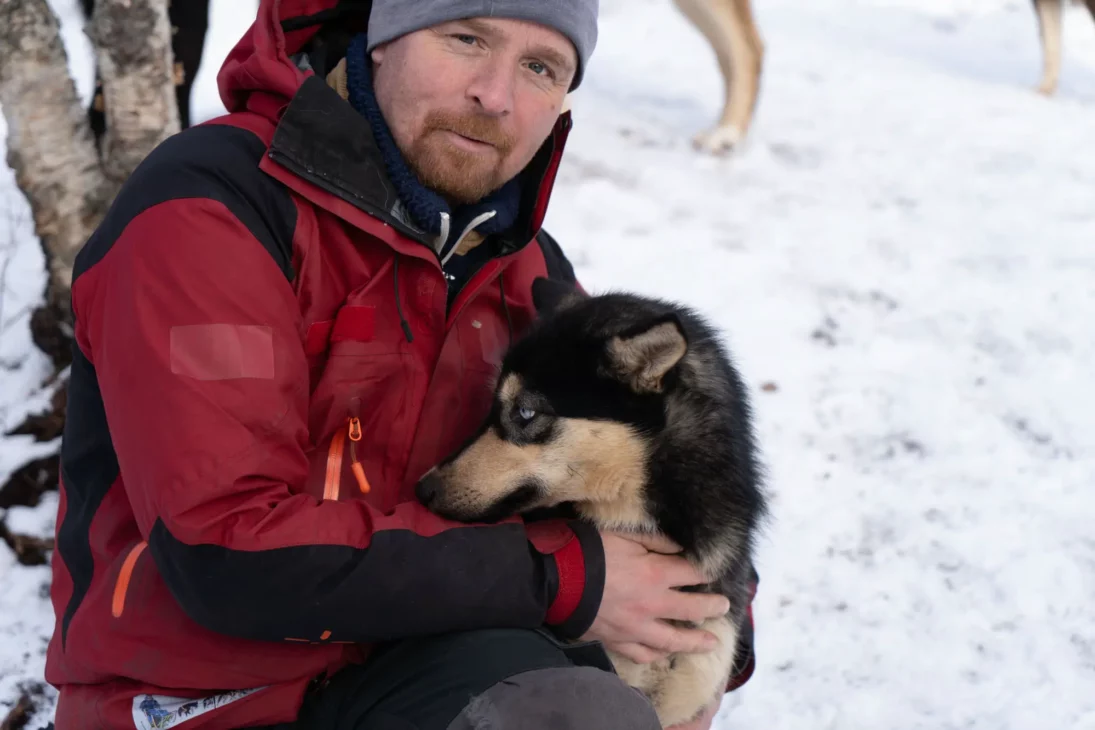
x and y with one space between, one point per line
428 487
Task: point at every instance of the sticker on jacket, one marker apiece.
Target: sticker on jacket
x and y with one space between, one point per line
157 712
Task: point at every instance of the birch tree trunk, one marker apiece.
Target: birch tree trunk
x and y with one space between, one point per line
132 40
67 181
50 146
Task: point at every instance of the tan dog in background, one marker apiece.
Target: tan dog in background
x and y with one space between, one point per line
1049 22
729 27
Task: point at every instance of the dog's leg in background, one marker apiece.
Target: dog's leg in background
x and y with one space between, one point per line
1049 25
729 27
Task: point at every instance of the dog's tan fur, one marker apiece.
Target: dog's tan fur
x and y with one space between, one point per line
597 464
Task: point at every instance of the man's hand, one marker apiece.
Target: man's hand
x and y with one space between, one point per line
640 576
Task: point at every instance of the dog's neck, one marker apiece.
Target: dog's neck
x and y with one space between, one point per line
622 515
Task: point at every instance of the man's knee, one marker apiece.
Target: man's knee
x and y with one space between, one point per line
559 698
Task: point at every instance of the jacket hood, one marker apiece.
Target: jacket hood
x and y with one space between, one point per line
260 63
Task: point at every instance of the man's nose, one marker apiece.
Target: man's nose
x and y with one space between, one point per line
493 88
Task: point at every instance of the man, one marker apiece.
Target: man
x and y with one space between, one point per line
289 314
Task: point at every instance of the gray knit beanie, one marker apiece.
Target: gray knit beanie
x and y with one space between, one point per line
576 19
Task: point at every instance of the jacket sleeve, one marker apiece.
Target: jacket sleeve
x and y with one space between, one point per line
194 334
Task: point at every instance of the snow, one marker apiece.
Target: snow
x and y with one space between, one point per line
904 248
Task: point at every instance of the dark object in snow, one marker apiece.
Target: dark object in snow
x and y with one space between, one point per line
47 425
26 485
29 550
19 715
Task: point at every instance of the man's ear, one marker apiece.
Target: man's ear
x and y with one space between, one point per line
549 295
642 357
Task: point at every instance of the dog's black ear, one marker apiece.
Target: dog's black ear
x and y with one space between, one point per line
642 357
549 295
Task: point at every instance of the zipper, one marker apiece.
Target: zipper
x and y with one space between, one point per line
353 430
461 296
439 242
336 454
121 585
475 223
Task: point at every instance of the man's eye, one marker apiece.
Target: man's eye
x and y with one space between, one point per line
525 414
465 38
541 69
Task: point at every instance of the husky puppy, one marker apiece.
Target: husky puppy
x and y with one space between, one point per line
627 411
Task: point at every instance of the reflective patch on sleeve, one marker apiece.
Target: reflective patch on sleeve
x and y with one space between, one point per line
222 351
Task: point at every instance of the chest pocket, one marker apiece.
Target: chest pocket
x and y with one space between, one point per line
462 381
366 387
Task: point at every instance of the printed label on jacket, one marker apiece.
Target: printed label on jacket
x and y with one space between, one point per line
157 712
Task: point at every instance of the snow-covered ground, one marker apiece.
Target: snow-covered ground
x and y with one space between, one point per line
906 249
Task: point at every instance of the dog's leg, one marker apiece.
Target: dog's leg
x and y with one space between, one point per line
694 680
643 677
729 27
1049 24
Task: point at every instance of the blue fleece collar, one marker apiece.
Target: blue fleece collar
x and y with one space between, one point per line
424 205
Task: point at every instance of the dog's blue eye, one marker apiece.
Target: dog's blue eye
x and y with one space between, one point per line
526 414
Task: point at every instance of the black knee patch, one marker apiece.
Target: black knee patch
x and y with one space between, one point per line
571 698
513 678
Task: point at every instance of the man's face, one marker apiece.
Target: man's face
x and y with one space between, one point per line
471 101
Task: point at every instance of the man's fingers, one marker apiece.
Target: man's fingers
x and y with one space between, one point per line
638 653
679 572
696 607
654 542
670 639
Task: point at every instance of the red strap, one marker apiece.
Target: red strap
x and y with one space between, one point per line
572 580
318 335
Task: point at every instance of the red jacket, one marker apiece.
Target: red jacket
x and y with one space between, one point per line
266 361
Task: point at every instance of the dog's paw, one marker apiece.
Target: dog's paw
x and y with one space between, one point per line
719 140
1047 88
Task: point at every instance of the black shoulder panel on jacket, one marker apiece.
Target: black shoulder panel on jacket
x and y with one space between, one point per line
558 268
216 162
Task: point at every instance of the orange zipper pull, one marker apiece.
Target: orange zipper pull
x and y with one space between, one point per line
359 473
355 465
